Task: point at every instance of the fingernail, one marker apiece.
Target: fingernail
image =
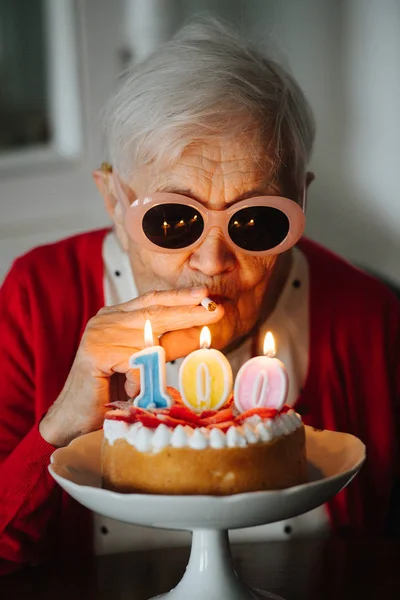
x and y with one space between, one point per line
197 291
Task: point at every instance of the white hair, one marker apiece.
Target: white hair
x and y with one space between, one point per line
207 83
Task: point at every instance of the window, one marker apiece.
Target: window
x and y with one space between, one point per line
24 113
40 101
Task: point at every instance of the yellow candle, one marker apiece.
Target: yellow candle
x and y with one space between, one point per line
205 377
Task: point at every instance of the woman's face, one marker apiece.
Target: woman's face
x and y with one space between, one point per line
216 175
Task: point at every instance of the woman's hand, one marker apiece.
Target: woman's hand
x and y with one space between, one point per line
110 338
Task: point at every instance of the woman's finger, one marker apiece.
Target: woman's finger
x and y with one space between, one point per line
178 344
172 318
132 389
127 329
133 376
183 297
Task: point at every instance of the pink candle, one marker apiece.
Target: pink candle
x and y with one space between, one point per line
262 381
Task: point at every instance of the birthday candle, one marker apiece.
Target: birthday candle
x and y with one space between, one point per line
151 362
205 377
262 381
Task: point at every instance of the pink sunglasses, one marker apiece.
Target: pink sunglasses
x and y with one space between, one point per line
169 223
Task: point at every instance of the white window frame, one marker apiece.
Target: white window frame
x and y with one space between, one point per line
65 99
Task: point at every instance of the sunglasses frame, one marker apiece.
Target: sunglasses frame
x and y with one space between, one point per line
135 212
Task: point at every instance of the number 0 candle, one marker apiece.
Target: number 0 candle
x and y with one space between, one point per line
262 381
205 377
151 362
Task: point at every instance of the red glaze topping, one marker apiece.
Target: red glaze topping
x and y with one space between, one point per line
180 414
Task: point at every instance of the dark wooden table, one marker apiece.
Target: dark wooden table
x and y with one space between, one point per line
297 570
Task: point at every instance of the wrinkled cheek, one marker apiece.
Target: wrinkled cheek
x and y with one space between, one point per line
255 271
163 270
169 268
137 256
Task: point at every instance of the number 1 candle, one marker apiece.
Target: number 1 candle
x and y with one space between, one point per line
262 381
151 362
205 377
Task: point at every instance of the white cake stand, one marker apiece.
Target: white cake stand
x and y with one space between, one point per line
333 458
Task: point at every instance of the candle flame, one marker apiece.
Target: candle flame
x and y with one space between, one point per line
205 338
269 345
148 334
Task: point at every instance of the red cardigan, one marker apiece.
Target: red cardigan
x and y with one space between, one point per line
353 385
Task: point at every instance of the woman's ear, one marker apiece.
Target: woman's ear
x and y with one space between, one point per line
310 176
309 179
103 182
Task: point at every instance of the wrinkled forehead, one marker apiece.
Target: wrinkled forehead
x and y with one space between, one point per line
215 174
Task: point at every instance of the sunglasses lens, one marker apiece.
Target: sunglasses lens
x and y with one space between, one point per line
173 226
258 228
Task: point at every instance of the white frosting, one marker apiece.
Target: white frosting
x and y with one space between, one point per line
249 434
179 437
264 432
161 437
115 430
143 440
234 438
254 420
198 440
217 438
254 430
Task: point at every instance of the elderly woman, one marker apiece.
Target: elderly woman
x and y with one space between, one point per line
209 143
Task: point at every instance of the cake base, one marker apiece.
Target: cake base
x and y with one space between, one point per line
273 465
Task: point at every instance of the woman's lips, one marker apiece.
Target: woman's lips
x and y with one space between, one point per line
219 299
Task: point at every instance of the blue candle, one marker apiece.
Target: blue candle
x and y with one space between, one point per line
151 363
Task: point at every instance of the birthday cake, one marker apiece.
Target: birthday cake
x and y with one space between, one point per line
204 439
178 451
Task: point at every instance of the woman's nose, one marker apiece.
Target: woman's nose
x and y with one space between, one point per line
213 256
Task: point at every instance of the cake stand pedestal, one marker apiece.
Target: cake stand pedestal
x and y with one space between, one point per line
333 460
211 573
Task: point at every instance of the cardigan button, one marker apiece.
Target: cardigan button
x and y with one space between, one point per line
287 529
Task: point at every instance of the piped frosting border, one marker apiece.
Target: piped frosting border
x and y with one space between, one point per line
252 430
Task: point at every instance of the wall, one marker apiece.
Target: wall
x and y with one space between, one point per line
45 198
345 56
